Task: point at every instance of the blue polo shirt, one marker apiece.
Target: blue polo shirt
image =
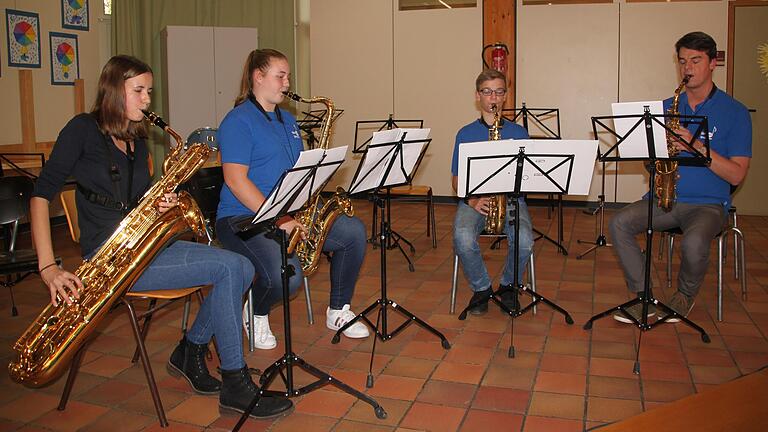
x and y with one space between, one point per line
267 142
730 134
477 131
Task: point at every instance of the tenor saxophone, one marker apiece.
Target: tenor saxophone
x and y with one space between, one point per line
497 204
318 216
48 345
666 170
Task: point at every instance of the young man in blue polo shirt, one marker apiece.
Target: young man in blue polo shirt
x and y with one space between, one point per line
703 193
491 89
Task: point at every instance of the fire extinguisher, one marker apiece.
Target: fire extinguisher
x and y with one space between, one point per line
499 55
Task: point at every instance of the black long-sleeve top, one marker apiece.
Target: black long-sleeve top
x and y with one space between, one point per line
81 152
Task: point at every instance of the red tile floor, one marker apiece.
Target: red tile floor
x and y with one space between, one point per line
562 379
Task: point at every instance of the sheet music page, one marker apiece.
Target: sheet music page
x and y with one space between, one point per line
289 186
495 155
584 151
334 157
636 144
379 155
489 167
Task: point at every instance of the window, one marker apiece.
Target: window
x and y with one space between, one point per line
107 7
435 4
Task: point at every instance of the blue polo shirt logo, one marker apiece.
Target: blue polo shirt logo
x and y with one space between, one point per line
295 132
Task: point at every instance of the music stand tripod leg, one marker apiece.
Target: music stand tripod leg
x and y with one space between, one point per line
601 240
647 295
283 367
380 329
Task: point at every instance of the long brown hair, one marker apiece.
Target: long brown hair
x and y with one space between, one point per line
109 108
257 59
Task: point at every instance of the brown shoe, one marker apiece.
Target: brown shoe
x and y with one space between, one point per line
680 303
636 312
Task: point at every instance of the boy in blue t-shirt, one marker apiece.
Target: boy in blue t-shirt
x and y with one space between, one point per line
491 92
703 193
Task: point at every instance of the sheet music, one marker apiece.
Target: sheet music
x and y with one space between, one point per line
380 152
292 179
636 144
484 158
333 159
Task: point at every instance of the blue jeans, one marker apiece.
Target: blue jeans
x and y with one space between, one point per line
185 264
346 242
468 225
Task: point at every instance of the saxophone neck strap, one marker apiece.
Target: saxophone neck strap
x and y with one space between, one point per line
102 200
261 109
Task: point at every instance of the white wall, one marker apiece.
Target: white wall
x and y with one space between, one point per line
581 58
373 60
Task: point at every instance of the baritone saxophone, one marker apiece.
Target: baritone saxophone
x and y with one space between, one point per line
49 344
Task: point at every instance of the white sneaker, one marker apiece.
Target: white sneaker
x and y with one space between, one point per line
262 335
336 319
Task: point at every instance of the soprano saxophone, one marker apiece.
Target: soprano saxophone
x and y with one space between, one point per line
317 217
497 206
47 347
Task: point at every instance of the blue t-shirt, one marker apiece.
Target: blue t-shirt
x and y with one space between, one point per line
477 131
250 136
730 134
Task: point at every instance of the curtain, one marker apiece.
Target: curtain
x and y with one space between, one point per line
137 24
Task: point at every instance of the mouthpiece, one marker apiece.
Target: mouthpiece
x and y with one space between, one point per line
292 95
155 119
686 78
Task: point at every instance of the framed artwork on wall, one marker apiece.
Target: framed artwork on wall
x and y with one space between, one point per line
65 58
23 38
74 14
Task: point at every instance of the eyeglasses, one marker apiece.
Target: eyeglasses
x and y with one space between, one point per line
488 92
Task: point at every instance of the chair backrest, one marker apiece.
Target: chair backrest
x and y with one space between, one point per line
70 211
15 193
205 187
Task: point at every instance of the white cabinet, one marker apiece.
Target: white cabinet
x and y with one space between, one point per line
202 68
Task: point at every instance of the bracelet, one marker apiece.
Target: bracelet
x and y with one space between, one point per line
49 265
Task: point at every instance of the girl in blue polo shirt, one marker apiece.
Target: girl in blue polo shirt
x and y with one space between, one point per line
258 142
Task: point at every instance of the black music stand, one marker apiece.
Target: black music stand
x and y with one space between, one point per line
388 124
647 121
536 117
477 184
293 190
600 241
312 120
388 164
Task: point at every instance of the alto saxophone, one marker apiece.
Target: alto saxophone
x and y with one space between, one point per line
666 170
47 347
317 217
497 205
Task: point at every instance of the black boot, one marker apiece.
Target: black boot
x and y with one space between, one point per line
238 391
509 297
478 304
188 361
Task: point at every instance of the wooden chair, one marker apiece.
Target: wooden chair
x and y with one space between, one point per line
412 193
139 331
